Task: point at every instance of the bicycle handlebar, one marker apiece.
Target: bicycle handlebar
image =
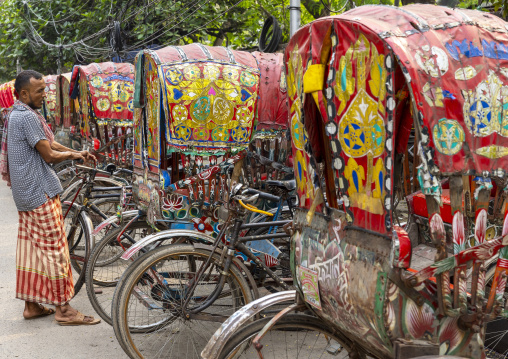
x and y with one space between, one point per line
264 195
86 168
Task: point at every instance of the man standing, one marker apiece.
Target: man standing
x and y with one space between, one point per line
43 269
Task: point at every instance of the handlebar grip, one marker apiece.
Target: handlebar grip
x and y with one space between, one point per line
264 195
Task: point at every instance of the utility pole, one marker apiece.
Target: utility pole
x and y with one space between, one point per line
294 16
18 66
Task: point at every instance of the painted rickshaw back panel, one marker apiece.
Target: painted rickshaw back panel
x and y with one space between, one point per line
272 110
108 87
105 104
355 82
63 117
50 100
7 97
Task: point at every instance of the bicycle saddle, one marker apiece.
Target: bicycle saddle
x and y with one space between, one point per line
288 185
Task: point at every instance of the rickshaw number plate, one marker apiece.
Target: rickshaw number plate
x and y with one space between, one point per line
308 280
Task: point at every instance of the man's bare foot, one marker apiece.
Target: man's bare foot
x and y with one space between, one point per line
36 310
67 315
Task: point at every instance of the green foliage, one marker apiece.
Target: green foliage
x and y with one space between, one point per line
23 28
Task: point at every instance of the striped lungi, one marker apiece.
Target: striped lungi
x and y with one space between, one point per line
43 269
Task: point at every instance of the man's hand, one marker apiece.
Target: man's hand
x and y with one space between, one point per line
77 156
88 156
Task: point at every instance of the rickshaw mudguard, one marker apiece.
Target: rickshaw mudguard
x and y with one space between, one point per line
113 219
164 235
240 318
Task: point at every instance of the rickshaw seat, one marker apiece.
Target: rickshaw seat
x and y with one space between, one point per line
288 185
420 206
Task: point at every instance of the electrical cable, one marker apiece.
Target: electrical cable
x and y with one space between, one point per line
151 39
333 11
55 21
201 27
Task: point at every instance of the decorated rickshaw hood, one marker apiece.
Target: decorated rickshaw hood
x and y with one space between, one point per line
7 97
371 68
455 62
110 86
211 97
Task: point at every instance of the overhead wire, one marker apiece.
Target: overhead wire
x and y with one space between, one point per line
327 7
203 26
75 12
86 51
151 38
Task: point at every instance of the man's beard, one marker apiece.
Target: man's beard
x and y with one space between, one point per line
31 104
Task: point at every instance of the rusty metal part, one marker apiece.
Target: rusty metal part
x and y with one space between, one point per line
271 323
240 318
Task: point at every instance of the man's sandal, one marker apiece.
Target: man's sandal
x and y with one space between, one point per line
80 320
45 312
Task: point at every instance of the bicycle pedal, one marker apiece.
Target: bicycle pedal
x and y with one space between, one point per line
97 291
334 348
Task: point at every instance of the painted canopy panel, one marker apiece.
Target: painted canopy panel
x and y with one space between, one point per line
209 96
63 99
7 97
110 88
356 108
457 66
218 107
51 105
198 51
272 105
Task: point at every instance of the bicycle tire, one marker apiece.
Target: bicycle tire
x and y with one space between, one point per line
291 323
125 333
79 266
95 279
272 46
496 331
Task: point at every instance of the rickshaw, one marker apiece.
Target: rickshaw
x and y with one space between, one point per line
105 105
382 99
196 109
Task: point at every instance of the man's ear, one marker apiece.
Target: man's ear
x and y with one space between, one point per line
23 93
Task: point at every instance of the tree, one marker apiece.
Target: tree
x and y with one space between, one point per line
31 31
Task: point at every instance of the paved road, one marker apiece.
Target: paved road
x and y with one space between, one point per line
42 338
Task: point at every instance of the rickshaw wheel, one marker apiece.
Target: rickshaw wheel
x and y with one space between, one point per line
299 334
148 325
496 331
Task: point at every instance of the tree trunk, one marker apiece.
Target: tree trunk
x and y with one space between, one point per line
219 39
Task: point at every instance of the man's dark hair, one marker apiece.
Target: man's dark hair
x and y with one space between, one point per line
23 79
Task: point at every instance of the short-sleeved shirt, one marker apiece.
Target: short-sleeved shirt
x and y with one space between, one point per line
31 177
